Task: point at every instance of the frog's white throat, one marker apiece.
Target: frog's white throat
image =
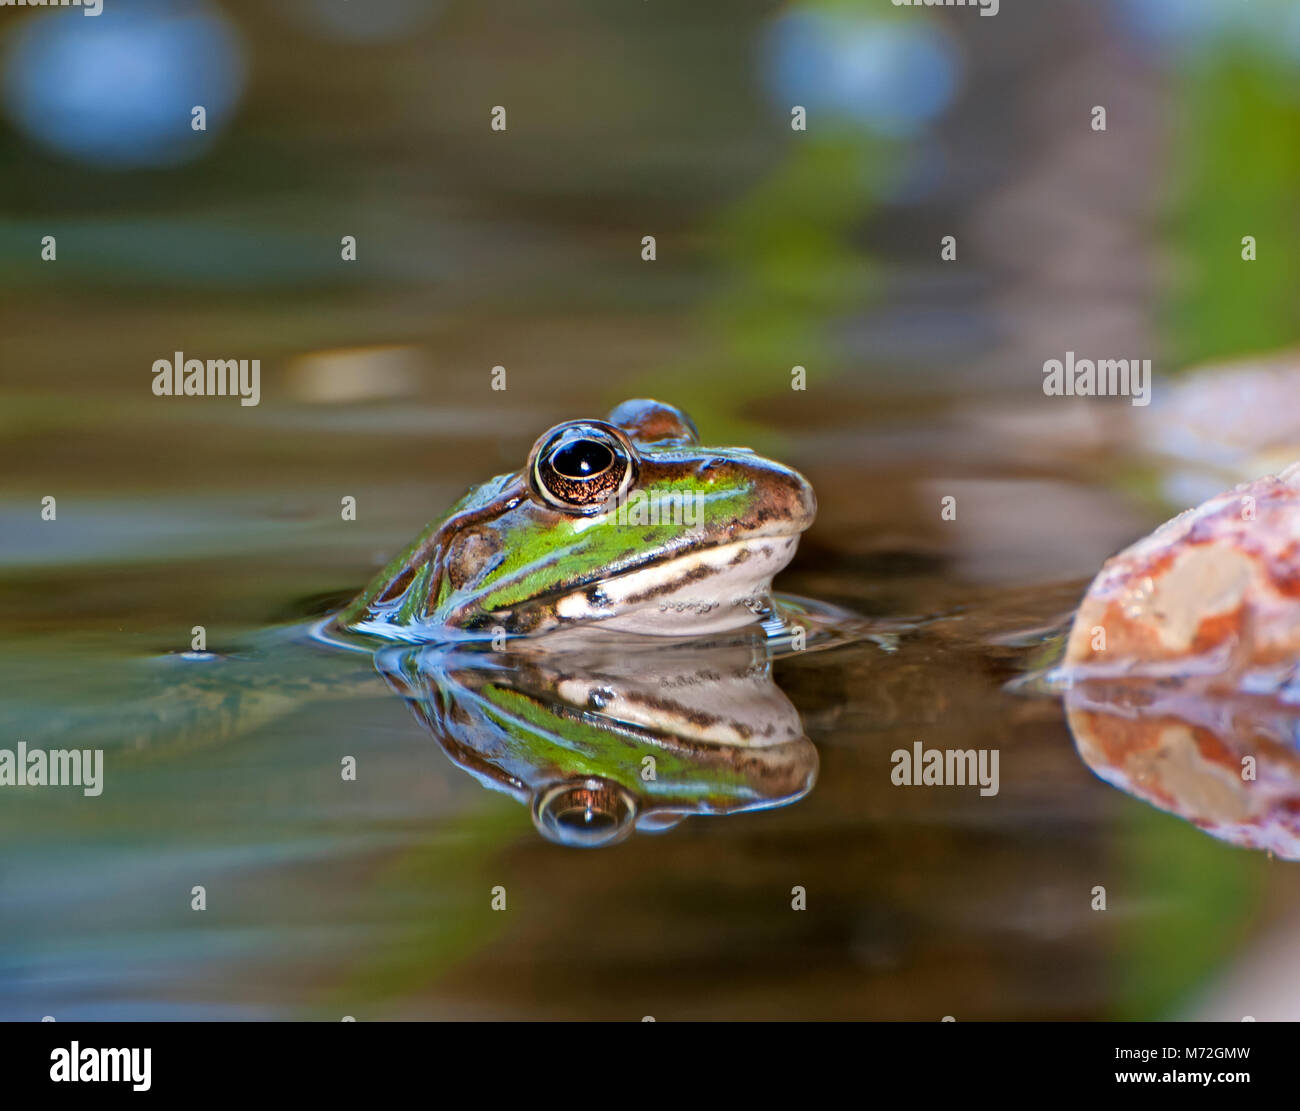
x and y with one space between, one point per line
706 591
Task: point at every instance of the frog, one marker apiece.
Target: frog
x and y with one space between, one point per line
628 524
622 733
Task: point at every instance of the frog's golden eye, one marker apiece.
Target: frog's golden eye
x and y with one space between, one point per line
582 467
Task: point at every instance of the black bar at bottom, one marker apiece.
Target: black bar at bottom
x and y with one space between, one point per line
339 1059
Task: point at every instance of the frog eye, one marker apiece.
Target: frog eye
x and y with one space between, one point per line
580 467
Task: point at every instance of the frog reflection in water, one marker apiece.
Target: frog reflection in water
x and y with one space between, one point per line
597 744
627 524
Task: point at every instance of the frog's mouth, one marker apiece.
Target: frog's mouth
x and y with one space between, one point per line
703 591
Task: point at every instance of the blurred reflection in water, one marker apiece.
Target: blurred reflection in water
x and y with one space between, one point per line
1227 763
1191 25
891 77
371 21
117 90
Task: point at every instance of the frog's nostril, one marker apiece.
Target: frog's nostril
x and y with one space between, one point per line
585 813
600 697
705 470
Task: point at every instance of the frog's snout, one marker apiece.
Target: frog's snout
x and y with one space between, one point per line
785 503
803 499
782 500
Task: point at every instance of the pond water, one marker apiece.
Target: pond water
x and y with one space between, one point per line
373 896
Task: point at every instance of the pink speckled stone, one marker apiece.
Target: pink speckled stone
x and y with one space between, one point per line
1213 592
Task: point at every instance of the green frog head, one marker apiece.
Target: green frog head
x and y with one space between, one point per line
628 523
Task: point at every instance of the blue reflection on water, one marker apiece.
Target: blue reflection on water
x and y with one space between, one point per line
1265 26
118 90
1177 22
890 76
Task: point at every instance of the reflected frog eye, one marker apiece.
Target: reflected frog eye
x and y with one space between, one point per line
580 467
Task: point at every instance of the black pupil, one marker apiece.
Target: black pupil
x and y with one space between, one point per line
586 818
582 459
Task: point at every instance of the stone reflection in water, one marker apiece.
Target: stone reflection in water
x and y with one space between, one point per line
613 737
1182 670
1228 763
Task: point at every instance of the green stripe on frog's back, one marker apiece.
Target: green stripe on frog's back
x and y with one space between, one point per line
608 544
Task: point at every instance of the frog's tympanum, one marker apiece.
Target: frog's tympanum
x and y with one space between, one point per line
627 524
601 743
1183 666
